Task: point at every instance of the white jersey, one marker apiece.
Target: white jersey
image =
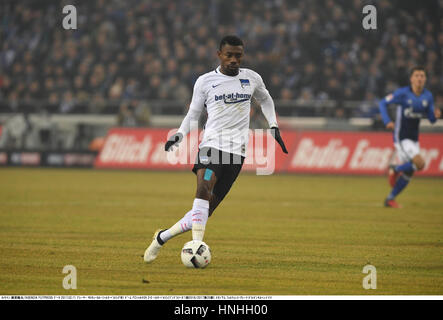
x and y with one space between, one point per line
228 102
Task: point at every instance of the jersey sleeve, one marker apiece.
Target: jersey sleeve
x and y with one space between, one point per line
261 94
395 97
195 108
431 114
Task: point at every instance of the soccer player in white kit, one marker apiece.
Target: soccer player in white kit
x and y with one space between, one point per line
226 93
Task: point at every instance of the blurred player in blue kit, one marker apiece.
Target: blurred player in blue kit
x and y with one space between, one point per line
413 103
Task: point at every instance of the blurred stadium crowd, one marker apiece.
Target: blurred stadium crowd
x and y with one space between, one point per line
127 53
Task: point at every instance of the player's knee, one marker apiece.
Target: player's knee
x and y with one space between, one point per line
420 164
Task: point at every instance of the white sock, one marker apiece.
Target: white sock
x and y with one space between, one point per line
183 225
194 219
199 218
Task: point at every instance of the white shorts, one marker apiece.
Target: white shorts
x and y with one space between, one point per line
407 150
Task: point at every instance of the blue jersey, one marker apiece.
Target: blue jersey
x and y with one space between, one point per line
411 108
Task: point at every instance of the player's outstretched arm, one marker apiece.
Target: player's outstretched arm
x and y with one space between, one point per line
268 109
186 125
191 118
433 112
262 96
383 106
395 97
277 136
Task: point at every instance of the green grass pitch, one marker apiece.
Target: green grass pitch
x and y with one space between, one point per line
272 235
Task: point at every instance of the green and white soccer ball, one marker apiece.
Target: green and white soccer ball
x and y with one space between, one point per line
196 254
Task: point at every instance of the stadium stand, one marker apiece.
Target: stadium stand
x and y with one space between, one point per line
134 63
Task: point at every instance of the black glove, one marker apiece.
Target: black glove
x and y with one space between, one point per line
276 134
174 140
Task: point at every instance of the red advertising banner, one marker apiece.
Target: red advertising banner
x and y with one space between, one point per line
358 153
136 149
264 155
366 153
144 149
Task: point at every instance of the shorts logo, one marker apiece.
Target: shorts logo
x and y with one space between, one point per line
204 159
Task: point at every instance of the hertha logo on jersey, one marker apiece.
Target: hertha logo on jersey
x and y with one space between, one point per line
244 83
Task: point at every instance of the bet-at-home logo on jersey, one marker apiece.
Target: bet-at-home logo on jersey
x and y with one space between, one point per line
233 97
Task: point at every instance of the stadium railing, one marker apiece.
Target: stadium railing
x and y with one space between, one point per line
40 120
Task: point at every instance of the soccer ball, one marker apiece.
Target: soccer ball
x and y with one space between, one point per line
196 254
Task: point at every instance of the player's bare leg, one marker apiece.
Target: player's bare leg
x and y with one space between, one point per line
419 162
213 203
194 220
